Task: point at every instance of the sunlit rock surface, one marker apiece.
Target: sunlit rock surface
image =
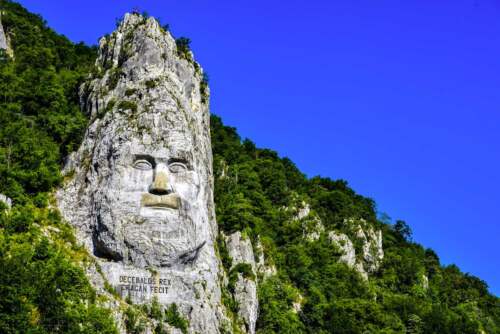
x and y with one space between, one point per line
3 39
371 253
345 245
311 223
141 187
6 201
264 269
245 292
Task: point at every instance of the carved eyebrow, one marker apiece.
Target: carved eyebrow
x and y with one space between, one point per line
146 157
181 160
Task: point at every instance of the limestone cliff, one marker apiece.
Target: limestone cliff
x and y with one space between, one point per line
6 201
367 259
245 288
3 38
140 192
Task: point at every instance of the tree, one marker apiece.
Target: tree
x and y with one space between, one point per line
403 230
415 325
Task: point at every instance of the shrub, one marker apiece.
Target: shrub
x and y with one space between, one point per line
134 321
226 259
113 77
127 105
155 310
183 48
130 91
110 105
244 269
204 88
151 83
175 319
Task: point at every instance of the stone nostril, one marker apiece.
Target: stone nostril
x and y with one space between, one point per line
158 191
160 184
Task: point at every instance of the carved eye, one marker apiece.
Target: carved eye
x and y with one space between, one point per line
177 167
143 165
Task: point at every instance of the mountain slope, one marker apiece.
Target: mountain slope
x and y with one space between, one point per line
298 220
43 288
325 262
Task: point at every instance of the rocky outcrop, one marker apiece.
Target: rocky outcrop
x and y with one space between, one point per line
346 247
240 249
369 256
3 38
311 223
245 288
264 269
303 211
423 281
297 304
6 201
371 252
141 191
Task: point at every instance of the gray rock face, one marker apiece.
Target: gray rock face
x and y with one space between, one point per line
297 304
240 249
372 252
141 197
311 223
5 200
369 257
303 211
425 282
345 245
245 292
264 269
3 39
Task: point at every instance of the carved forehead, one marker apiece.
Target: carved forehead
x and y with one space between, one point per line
167 123
173 146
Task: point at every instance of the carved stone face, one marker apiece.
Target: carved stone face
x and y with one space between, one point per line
139 190
150 210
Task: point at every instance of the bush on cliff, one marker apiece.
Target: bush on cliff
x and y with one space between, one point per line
42 290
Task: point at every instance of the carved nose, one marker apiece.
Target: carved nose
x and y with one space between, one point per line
160 183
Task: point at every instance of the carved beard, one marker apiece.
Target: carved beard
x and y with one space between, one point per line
158 238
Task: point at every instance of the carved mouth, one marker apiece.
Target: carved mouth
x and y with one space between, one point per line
171 201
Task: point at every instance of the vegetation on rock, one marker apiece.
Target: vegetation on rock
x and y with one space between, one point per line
40 116
175 319
258 192
44 290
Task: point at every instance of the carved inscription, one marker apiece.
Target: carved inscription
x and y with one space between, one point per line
143 285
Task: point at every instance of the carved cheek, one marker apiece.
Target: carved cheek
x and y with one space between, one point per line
137 180
186 185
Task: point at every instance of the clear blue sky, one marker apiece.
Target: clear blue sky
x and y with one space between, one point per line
400 98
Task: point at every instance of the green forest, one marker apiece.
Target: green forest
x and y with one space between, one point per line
43 288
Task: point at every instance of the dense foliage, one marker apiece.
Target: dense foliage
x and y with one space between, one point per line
42 289
257 191
40 117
